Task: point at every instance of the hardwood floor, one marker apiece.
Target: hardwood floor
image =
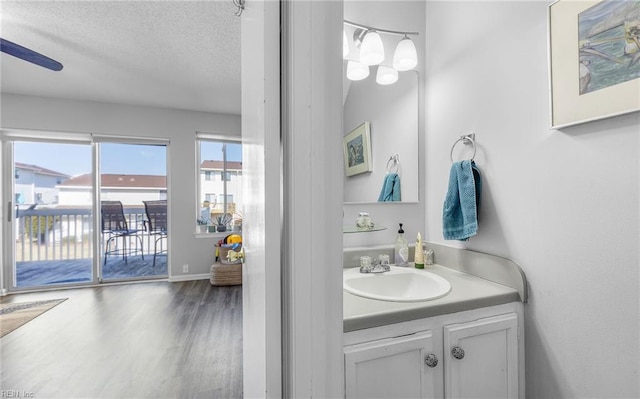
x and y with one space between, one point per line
144 340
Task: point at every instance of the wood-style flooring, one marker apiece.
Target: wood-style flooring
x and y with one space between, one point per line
143 340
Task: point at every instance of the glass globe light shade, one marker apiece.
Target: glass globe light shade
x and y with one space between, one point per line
405 57
357 70
345 45
386 75
371 50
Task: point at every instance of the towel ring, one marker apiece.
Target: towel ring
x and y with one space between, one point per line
466 139
393 162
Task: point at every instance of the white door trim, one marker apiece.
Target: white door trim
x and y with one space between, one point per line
261 208
312 250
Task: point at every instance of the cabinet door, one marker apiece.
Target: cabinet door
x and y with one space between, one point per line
481 358
392 368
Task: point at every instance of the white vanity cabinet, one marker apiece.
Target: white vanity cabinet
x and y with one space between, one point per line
472 354
481 358
391 368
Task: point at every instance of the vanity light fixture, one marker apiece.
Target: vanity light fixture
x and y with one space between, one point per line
405 57
357 70
371 49
386 75
368 40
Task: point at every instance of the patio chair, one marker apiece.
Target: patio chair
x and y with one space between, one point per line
114 226
156 224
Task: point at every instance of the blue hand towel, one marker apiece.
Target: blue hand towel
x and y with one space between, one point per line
390 188
461 205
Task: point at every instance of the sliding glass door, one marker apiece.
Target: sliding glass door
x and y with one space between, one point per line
51 230
133 202
84 210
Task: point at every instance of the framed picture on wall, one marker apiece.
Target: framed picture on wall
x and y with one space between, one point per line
357 150
594 60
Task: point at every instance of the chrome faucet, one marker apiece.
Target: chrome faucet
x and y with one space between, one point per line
380 265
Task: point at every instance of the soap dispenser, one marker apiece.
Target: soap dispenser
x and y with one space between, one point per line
401 253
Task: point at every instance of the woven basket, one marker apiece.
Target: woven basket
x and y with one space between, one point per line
222 274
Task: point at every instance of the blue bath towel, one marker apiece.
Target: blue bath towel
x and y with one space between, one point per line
390 188
461 205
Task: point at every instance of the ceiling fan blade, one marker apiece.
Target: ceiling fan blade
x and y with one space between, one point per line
24 53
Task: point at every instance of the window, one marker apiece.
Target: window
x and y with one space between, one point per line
219 160
228 198
17 176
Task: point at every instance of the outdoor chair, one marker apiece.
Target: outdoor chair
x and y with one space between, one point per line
156 224
114 226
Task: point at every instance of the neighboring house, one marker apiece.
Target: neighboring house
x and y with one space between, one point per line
131 190
212 182
36 185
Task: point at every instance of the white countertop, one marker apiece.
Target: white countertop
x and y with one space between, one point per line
467 292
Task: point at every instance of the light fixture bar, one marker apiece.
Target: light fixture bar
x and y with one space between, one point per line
392 32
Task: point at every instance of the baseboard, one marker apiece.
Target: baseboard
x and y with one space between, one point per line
190 277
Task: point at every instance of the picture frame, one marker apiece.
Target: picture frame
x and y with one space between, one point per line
357 150
594 60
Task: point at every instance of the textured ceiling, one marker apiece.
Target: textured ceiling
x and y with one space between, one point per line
174 54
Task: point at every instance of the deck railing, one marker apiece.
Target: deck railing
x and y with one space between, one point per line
59 233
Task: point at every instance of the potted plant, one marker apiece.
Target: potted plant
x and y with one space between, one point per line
222 222
202 224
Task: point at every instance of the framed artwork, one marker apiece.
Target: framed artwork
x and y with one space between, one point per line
594 60
357 150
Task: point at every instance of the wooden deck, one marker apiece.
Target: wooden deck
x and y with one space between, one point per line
53 272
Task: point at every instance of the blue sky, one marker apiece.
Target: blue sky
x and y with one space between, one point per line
75 159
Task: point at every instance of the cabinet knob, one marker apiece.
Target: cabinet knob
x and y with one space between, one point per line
431 360
457 352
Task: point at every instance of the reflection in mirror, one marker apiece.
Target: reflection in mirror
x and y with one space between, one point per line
392 113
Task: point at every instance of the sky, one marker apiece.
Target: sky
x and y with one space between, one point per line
75 159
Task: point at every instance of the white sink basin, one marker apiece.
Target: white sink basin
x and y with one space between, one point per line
400 284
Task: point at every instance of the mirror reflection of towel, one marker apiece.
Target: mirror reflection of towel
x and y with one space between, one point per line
462 202
390 188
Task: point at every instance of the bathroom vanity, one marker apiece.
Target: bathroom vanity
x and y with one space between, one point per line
467 343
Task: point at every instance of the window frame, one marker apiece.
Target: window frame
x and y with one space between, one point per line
201 192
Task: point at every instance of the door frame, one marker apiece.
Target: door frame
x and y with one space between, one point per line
297 350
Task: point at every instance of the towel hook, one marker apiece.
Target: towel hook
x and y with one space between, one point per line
465 139
394 161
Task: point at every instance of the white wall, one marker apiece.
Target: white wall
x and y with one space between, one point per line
177 125
403 16
563 204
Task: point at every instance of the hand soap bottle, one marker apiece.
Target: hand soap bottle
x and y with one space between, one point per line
401 253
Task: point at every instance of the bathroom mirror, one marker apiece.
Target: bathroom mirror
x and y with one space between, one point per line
392 111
